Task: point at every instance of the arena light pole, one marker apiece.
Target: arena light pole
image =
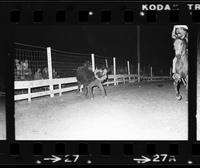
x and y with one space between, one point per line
106 61
198 48
138 51
128 67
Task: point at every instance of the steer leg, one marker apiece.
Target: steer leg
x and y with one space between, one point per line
79 86
90 89
85 89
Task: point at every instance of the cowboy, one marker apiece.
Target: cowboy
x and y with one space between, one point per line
179 32
101 76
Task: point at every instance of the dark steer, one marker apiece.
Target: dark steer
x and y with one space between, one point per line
84 76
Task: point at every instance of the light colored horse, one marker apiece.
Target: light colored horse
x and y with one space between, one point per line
181 66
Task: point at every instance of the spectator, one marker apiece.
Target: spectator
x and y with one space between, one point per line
29 74
16 64
26 71
38 74
45 74
55 74
25 65
18 69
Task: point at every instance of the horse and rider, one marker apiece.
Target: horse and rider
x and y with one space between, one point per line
180 61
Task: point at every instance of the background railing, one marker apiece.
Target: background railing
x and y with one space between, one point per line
41 71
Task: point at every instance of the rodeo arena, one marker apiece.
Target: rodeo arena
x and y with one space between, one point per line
57 98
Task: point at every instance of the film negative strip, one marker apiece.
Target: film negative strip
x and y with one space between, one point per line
96 83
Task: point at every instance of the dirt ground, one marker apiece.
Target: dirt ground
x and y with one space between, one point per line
2 118
148 111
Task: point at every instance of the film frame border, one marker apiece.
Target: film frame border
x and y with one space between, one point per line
106 152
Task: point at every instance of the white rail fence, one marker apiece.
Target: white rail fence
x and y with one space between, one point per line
29 85
52 86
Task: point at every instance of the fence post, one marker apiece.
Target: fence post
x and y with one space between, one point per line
170 72
50 70
60 89
138 72
106 63
151 73
93 62
128 66
114 70
29 94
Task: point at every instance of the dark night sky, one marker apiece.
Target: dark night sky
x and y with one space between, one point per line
108 40
157 45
